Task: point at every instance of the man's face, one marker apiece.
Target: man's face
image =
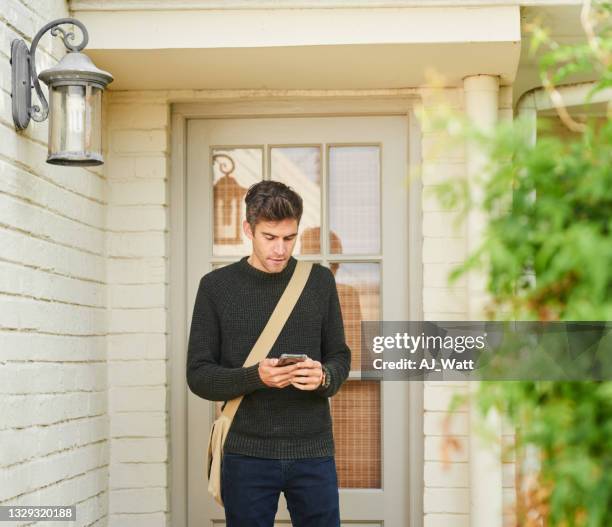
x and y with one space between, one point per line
273 243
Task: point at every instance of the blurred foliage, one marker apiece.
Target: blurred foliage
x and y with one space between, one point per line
547 255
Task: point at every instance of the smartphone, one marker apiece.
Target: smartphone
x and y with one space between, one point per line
291 358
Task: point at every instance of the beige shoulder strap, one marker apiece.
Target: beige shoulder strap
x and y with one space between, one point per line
275 325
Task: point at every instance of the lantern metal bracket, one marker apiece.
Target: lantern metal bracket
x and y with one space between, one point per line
25 76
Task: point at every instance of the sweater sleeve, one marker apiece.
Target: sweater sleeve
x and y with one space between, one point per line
205 376
335 354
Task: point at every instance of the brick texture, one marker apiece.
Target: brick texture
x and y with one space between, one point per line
137 276
54 430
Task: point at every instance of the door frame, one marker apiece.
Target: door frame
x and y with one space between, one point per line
179 312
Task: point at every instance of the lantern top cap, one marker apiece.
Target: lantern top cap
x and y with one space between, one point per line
76 66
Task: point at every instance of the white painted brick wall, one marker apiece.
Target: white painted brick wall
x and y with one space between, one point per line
446 470
446 500
154 519
137 270
136 346
137 500
137 399
139 424
443 250
88 492
446 520
137 240
54 429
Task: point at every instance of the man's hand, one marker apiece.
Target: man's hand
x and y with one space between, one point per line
276 376
308 376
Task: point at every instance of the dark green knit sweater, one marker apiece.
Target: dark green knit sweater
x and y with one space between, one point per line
232 307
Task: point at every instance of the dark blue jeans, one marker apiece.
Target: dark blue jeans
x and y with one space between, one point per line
251 486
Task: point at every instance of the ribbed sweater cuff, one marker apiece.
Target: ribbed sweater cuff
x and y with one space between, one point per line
251 379
325 392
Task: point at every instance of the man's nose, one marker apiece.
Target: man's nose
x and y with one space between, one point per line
279 248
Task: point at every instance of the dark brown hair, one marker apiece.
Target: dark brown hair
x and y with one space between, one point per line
272 201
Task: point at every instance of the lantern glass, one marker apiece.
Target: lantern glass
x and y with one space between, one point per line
75 124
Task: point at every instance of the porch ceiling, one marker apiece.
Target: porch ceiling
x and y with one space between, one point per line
563 24
302 49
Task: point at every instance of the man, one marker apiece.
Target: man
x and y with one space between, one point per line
281 438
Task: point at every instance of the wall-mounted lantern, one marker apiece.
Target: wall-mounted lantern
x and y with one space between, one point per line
75 97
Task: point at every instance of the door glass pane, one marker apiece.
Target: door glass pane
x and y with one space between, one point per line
358 287
356 407
234 171
356 421
300 168
354 199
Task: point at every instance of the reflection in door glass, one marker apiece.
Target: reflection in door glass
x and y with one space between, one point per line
234 171
300 168
358 287
354 198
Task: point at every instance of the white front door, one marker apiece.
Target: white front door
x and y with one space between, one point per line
352 175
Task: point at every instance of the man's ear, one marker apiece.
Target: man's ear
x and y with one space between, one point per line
246 227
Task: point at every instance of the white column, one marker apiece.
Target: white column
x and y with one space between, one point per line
481 107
